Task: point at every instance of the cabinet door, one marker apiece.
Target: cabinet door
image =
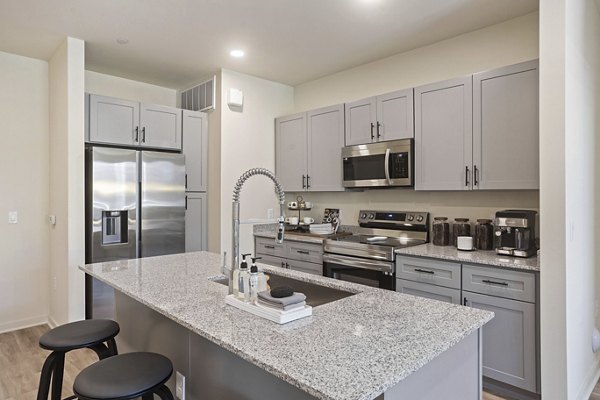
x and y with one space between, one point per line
290 152
395 116
443 135
508 340
160 126
114 121
429 291
303 266
196 222
308 252
325 142
271 260
269 247
505 127
435 272
195 148
361 117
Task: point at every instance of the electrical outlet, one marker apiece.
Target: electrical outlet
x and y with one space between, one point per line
180 385
270 214
13 217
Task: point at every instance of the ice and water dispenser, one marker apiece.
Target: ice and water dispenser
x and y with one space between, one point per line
114 227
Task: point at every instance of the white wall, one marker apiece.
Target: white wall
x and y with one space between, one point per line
570 192
248 141
502 44
114 86
24 247
498 45
67 247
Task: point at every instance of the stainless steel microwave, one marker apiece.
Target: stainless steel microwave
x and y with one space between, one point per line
383 164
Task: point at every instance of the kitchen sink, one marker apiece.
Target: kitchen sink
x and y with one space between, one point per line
316 295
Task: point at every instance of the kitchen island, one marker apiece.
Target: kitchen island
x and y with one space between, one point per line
373 344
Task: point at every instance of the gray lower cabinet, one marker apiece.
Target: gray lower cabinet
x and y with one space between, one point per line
429 291
509 340
298 256
196 222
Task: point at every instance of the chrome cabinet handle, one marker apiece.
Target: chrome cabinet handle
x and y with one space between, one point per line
186 202
465 301
307 181
494 282
475 176
467 175
287 265
137 134
269 246
303 184
144 134
425 271
303 251
372 126
378 126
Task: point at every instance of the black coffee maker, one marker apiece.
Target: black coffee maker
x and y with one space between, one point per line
514 233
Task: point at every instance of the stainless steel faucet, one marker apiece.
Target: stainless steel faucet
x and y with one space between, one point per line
235 239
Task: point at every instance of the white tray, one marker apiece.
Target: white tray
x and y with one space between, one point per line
278 316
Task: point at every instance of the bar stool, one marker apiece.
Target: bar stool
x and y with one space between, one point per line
91 334
126 376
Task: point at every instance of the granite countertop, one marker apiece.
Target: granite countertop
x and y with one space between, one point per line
486 257
353 348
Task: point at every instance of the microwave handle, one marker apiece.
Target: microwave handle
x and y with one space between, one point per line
387 166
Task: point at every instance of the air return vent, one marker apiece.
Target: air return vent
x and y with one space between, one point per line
200 97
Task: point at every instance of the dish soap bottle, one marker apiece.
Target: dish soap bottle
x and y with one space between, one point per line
253 280
237 290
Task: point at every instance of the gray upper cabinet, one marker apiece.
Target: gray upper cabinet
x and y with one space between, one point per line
505 127
195 148
290 152
361 116
443 135
196 238
308 150
113 121
130 123
380 118
325 129
160 126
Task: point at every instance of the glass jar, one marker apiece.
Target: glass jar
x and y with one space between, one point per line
441 231
461 227
484 232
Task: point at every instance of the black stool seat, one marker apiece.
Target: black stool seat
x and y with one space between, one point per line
125 376
79 334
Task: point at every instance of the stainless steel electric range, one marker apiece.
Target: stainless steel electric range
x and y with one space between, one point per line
368 256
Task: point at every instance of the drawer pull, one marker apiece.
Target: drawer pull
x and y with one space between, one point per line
303 251
424 271
269 246
494 282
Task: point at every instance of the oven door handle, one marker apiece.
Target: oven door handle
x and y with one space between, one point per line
387 166
363 264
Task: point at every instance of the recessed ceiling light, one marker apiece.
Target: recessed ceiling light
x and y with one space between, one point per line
122 40
237 53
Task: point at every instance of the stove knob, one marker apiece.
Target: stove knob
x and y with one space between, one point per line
371 216
411 217
420 218
363 215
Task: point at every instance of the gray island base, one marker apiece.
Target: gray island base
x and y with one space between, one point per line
375 344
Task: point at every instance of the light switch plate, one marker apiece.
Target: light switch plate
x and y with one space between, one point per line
13 217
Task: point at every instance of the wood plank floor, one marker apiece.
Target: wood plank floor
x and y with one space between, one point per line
21 361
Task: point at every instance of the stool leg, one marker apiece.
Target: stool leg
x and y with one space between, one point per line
47 370
57 377
101 350
112 347
164 393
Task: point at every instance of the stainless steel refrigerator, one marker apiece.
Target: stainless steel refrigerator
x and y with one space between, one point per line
135 207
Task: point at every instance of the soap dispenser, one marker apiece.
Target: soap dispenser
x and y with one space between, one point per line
253 280
237 288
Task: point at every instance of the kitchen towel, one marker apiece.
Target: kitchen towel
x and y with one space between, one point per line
279 307
265 297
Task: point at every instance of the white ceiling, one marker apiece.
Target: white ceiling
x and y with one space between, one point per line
175 42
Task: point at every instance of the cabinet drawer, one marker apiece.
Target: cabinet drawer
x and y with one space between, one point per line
500 283
311 268
429 291
440 273
270 260
269 247
305 252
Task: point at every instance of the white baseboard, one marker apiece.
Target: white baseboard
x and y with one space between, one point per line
23 323
51 322
590 382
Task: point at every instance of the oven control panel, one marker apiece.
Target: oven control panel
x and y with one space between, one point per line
373 217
